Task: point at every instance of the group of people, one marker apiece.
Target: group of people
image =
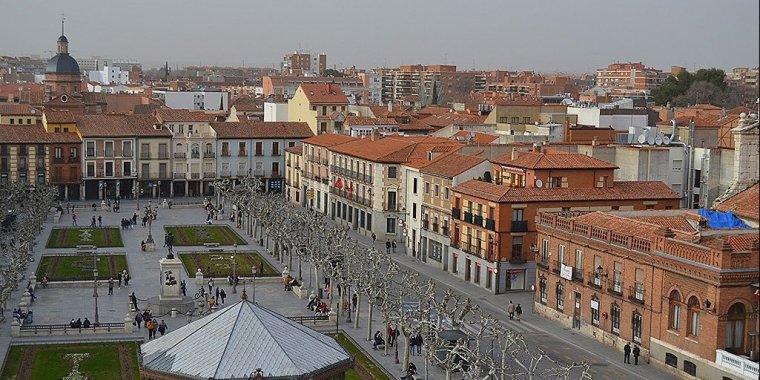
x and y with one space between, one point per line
290 282
216 296
514 311
627 354
316 305
78 324
21 317
153 325
129 223
121 276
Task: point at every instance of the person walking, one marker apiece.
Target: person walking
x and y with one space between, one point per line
354 301
110 286
222 294
68 206
133 297
393 245
511 310
127 277
374 237
390 335
118 277
216 296
100 221
92 222
162 327
388 247
151 328
627 353
518 311
138 320
210 285
183 287
636 353
74 219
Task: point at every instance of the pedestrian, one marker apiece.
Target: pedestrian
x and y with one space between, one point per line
216 296
74 219
374 237
118 277
354 301
183 286
92 223
68 206
636 353
393 245
627 353
110 286
391 336
138 319
162 327
511 310
518 311
222 294
133 297
126 278
100 221
210 285
388 247
149 324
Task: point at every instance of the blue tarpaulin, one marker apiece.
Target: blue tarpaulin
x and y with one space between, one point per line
717 219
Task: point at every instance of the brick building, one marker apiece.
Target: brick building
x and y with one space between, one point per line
659 279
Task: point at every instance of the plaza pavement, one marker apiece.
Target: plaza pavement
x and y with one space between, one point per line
61 304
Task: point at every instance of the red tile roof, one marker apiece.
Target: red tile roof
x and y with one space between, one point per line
444 120
361 120
450 165
254 129
34 134
18 109
626 190
296 149
120 126
60 117
328 139
553 159
745 204
167 115
324 93
478 137
393 149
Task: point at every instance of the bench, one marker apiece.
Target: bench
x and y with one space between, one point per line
86 249
216 250
210 244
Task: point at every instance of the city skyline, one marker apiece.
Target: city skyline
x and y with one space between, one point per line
419 32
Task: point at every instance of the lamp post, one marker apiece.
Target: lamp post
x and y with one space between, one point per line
95 282
137 192
253 283
234 272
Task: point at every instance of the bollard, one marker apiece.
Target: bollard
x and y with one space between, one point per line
199 277
15 328
174 312
128 324
189 316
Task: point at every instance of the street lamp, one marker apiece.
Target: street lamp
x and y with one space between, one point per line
254 269
234 272
95 282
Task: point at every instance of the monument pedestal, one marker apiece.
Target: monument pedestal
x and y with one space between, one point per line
171 291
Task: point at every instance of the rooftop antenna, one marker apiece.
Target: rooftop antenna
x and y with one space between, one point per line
63 20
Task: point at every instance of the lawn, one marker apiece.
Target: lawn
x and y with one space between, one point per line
106 361
220 264
200 234
360 359
72 237
79 268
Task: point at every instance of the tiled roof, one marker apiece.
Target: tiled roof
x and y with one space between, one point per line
167 115
296 149
361 120
444 120
479 137
415 126
450 165
60 117
393 149
236 340
553 159
643 225
120 126
324 93
738 242
625 190
254 129
702 121
34 134
745 204
18 109
434 110
328 139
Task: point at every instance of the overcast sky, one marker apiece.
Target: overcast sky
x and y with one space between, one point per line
547 35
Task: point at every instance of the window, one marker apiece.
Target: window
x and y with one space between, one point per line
109 148
671 360
638 288
615 316
675 310
126 148
690 368
127 166
517 215
595 311
259 148
414 186
555 181
602 181
58 152
561 254
276 170
437 191
560 296
693 316
392 172
636 324
390 225
446 193
90 169
109 169
542 290
241 148
735 327
578 270
427 187
225 149
414 210
90 148
392 200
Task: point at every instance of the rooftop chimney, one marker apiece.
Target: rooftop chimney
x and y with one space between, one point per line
595 141
536 148
515 153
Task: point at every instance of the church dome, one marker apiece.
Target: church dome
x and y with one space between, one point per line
63 38
62 63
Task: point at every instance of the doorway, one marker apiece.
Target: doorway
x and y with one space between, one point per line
467 269
577 311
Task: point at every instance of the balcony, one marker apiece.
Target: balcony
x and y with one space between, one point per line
636 293
225 153
543 262
258 153
737 364
209 175
478 220
595 280
242 154
455 213
145 155
615 287
209 155
73 159
163 155
445 231
58 160
391 207
275 174
180 155
180 175
491 224
435 227
425 224
195 175
126 153
468 217
577 274
242 173
519 226
224 174
195 155
556 266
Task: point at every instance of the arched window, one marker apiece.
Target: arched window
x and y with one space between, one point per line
179 148
693 316
735 328
675 310
195 149
208 148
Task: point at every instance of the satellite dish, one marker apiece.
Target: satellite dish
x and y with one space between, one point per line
642 139
650 140
658 140
666 140
539 183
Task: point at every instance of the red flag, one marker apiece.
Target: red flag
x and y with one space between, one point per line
338 184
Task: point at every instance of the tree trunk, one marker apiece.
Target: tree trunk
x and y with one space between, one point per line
358 306
387 337
369 321
407 344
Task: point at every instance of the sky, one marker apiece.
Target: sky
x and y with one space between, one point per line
548 36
